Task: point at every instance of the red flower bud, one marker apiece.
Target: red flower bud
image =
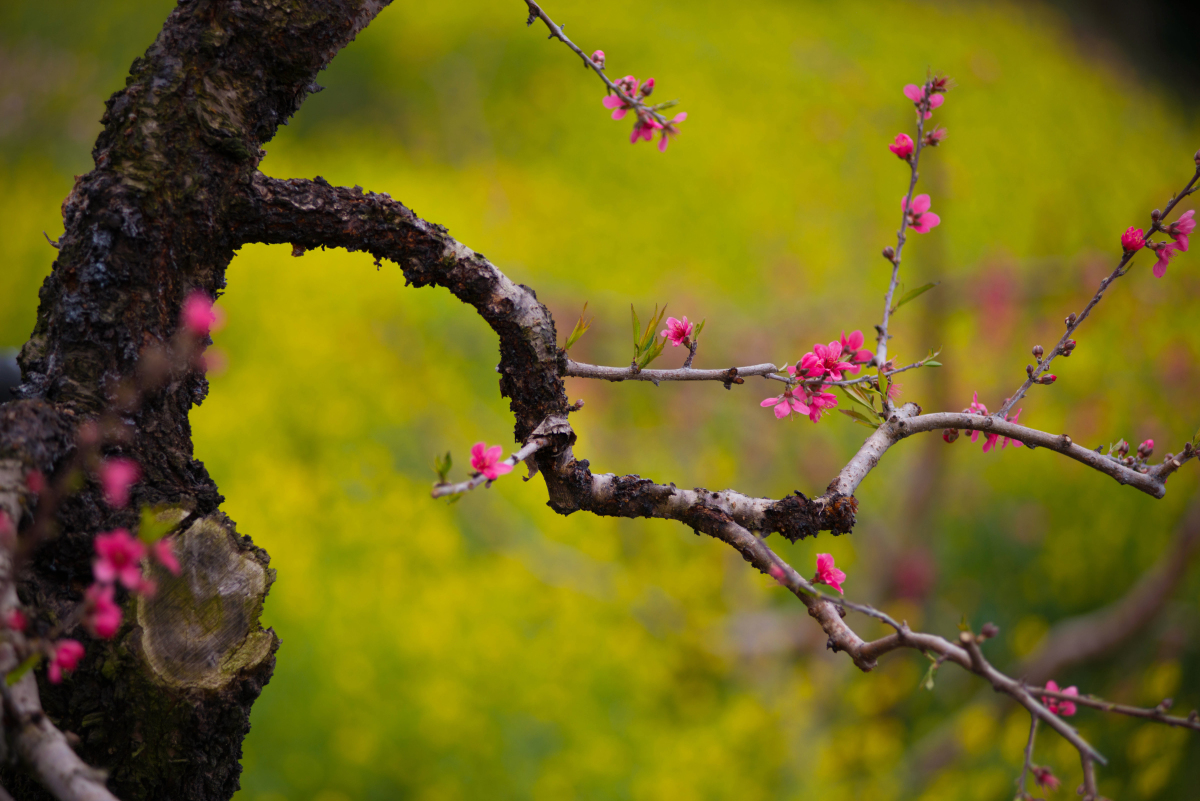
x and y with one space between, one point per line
889 253
950 434
1048 379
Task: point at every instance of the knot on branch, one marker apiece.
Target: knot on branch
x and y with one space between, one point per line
797 517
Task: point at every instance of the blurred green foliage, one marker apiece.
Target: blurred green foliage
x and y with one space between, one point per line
492 649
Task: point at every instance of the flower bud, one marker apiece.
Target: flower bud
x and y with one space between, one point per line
1047 379
1029 368
950 434
889 253
1146 449
598 58
647 87
1196 158
989 630
1071 318
1156 215
1037 352
1122 449
1067 347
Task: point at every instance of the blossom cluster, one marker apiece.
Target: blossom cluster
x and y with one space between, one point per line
805 393
991 440
630 97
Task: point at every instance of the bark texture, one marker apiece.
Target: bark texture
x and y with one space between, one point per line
164 707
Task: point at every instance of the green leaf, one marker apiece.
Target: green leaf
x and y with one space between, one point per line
699 328
963 625
14 675
442 465
636 327
927 682
932 363
858 418
580 328
916 293
857 396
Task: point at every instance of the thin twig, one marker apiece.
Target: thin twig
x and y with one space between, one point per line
1157 714
1028 766
1075 321
529 449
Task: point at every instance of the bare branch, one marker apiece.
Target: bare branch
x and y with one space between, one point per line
729 375
1158 714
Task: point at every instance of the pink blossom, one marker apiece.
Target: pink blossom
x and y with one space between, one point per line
644 128
950 435
917 95
776 573
903 146
117 476
1146 449
1165 252
827 573
199 316
487 460
818 403
16 620
647 88
103 616
670 131
164 552
678 331
824 360
1182 228
975 408
991 439
598 58
35 482
786 403
1045 778
935 137
118 558
1132 240
67 654
851 346
920 218
628 85
1064 708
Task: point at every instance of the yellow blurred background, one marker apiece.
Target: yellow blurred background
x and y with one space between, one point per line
492 649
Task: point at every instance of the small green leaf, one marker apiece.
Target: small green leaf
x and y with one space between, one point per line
916 293
699 328
636 328
932 363
580 329
927 682
14 675
442 465
858 418
857 396
963 625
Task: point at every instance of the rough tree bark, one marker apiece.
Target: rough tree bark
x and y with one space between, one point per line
164 706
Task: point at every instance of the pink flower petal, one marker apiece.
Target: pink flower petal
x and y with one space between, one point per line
914 92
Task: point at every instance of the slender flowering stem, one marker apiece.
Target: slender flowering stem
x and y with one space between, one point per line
1157 714
729 375
1028 766
1074 321
530 448
536 12
901 237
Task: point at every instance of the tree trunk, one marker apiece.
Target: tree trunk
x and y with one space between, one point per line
165 705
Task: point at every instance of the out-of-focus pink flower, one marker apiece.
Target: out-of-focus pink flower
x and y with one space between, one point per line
1133 239
647 88
678 331
819 403
164 552
950 435
917 94
199 316
852 349
992 439
118 558
102 615
786 403
487 460
903 146
67 654
920 218
824 360
935 137
1182 228
598 58
213 361
35 482
8 531
16 620
1063 708
670 131
117 476
827 573
1045 778
628 85
776 573
644 128
1165 252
